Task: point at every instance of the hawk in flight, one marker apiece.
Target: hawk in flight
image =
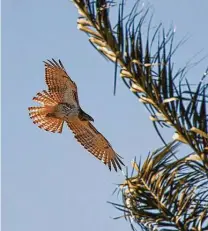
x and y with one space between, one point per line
61 104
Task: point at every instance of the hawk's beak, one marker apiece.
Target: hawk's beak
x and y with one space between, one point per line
91 119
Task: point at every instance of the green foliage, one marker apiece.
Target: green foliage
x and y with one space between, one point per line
166 193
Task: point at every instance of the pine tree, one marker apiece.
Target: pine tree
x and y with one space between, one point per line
165 192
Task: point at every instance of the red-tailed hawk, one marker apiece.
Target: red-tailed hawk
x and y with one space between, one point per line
60 104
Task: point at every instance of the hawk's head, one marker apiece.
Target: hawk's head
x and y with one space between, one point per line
85 116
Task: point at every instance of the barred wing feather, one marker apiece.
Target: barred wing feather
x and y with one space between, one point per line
60 85
95 143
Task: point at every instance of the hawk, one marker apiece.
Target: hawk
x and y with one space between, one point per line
61 104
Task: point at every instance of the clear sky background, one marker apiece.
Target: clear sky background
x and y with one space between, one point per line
49 181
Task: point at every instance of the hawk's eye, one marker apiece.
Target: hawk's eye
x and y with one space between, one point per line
50 115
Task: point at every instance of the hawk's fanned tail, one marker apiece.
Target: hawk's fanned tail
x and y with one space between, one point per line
45 98
40 115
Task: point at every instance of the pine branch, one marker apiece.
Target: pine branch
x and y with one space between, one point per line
164 193
148 74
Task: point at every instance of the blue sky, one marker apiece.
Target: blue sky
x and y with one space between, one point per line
49 181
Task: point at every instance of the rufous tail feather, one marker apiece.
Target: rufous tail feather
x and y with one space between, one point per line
39 115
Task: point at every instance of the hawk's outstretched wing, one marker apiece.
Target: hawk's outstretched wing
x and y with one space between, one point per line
95 143
60 85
